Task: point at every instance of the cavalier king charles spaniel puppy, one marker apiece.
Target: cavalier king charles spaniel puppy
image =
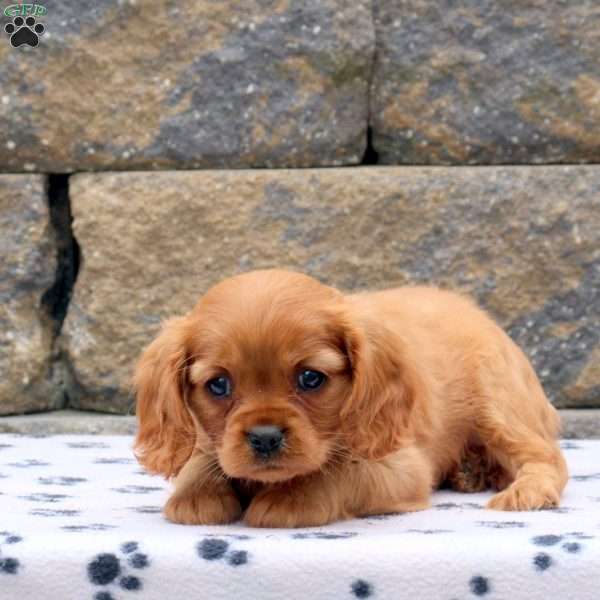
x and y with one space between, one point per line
282 400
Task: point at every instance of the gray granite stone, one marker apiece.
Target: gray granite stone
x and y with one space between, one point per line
125 85
525 241
27 271
580 424
483 82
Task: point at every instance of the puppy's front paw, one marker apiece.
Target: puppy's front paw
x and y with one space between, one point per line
203 509
279 508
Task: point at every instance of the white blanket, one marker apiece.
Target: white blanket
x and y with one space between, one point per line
80 520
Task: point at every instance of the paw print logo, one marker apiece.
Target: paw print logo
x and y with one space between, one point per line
24 31
108 569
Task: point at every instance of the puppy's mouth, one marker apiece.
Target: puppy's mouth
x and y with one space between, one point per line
270 468
271 471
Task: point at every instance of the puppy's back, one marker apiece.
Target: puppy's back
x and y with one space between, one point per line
426 308
464 351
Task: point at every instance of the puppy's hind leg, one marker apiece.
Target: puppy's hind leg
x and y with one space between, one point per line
532 459
477 471
539 479
519 428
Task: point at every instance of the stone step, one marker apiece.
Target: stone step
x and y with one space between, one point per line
68 421
577 424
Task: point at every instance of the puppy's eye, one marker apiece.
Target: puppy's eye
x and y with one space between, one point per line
310 380
219 387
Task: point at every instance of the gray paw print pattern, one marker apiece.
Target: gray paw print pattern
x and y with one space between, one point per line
82 505
9 564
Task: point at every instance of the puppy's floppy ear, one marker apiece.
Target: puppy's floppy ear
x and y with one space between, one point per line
166 432
376 415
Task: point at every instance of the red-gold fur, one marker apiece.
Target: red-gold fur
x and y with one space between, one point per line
422 387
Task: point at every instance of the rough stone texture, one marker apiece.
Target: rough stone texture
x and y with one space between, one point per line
524 240
27 269
68 421
483 81
125 85
578 424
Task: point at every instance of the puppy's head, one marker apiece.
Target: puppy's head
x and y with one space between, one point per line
277 375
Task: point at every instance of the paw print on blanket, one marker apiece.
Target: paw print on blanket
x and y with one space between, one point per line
479 586
60 480
588 477
542 561
324 535
114 460
84 445
28 463
137 489
361 589
211 549
454 505
46 498
108 569
8 564
502 524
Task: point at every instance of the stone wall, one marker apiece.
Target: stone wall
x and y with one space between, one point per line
189 84
166 92
483 81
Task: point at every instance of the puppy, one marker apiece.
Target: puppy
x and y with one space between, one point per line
284 400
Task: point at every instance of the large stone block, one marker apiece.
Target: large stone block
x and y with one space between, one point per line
482 81
524 241
27 270
125 85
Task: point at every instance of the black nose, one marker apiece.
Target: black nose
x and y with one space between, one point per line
265 440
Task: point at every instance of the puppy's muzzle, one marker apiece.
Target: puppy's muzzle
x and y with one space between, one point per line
266 440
